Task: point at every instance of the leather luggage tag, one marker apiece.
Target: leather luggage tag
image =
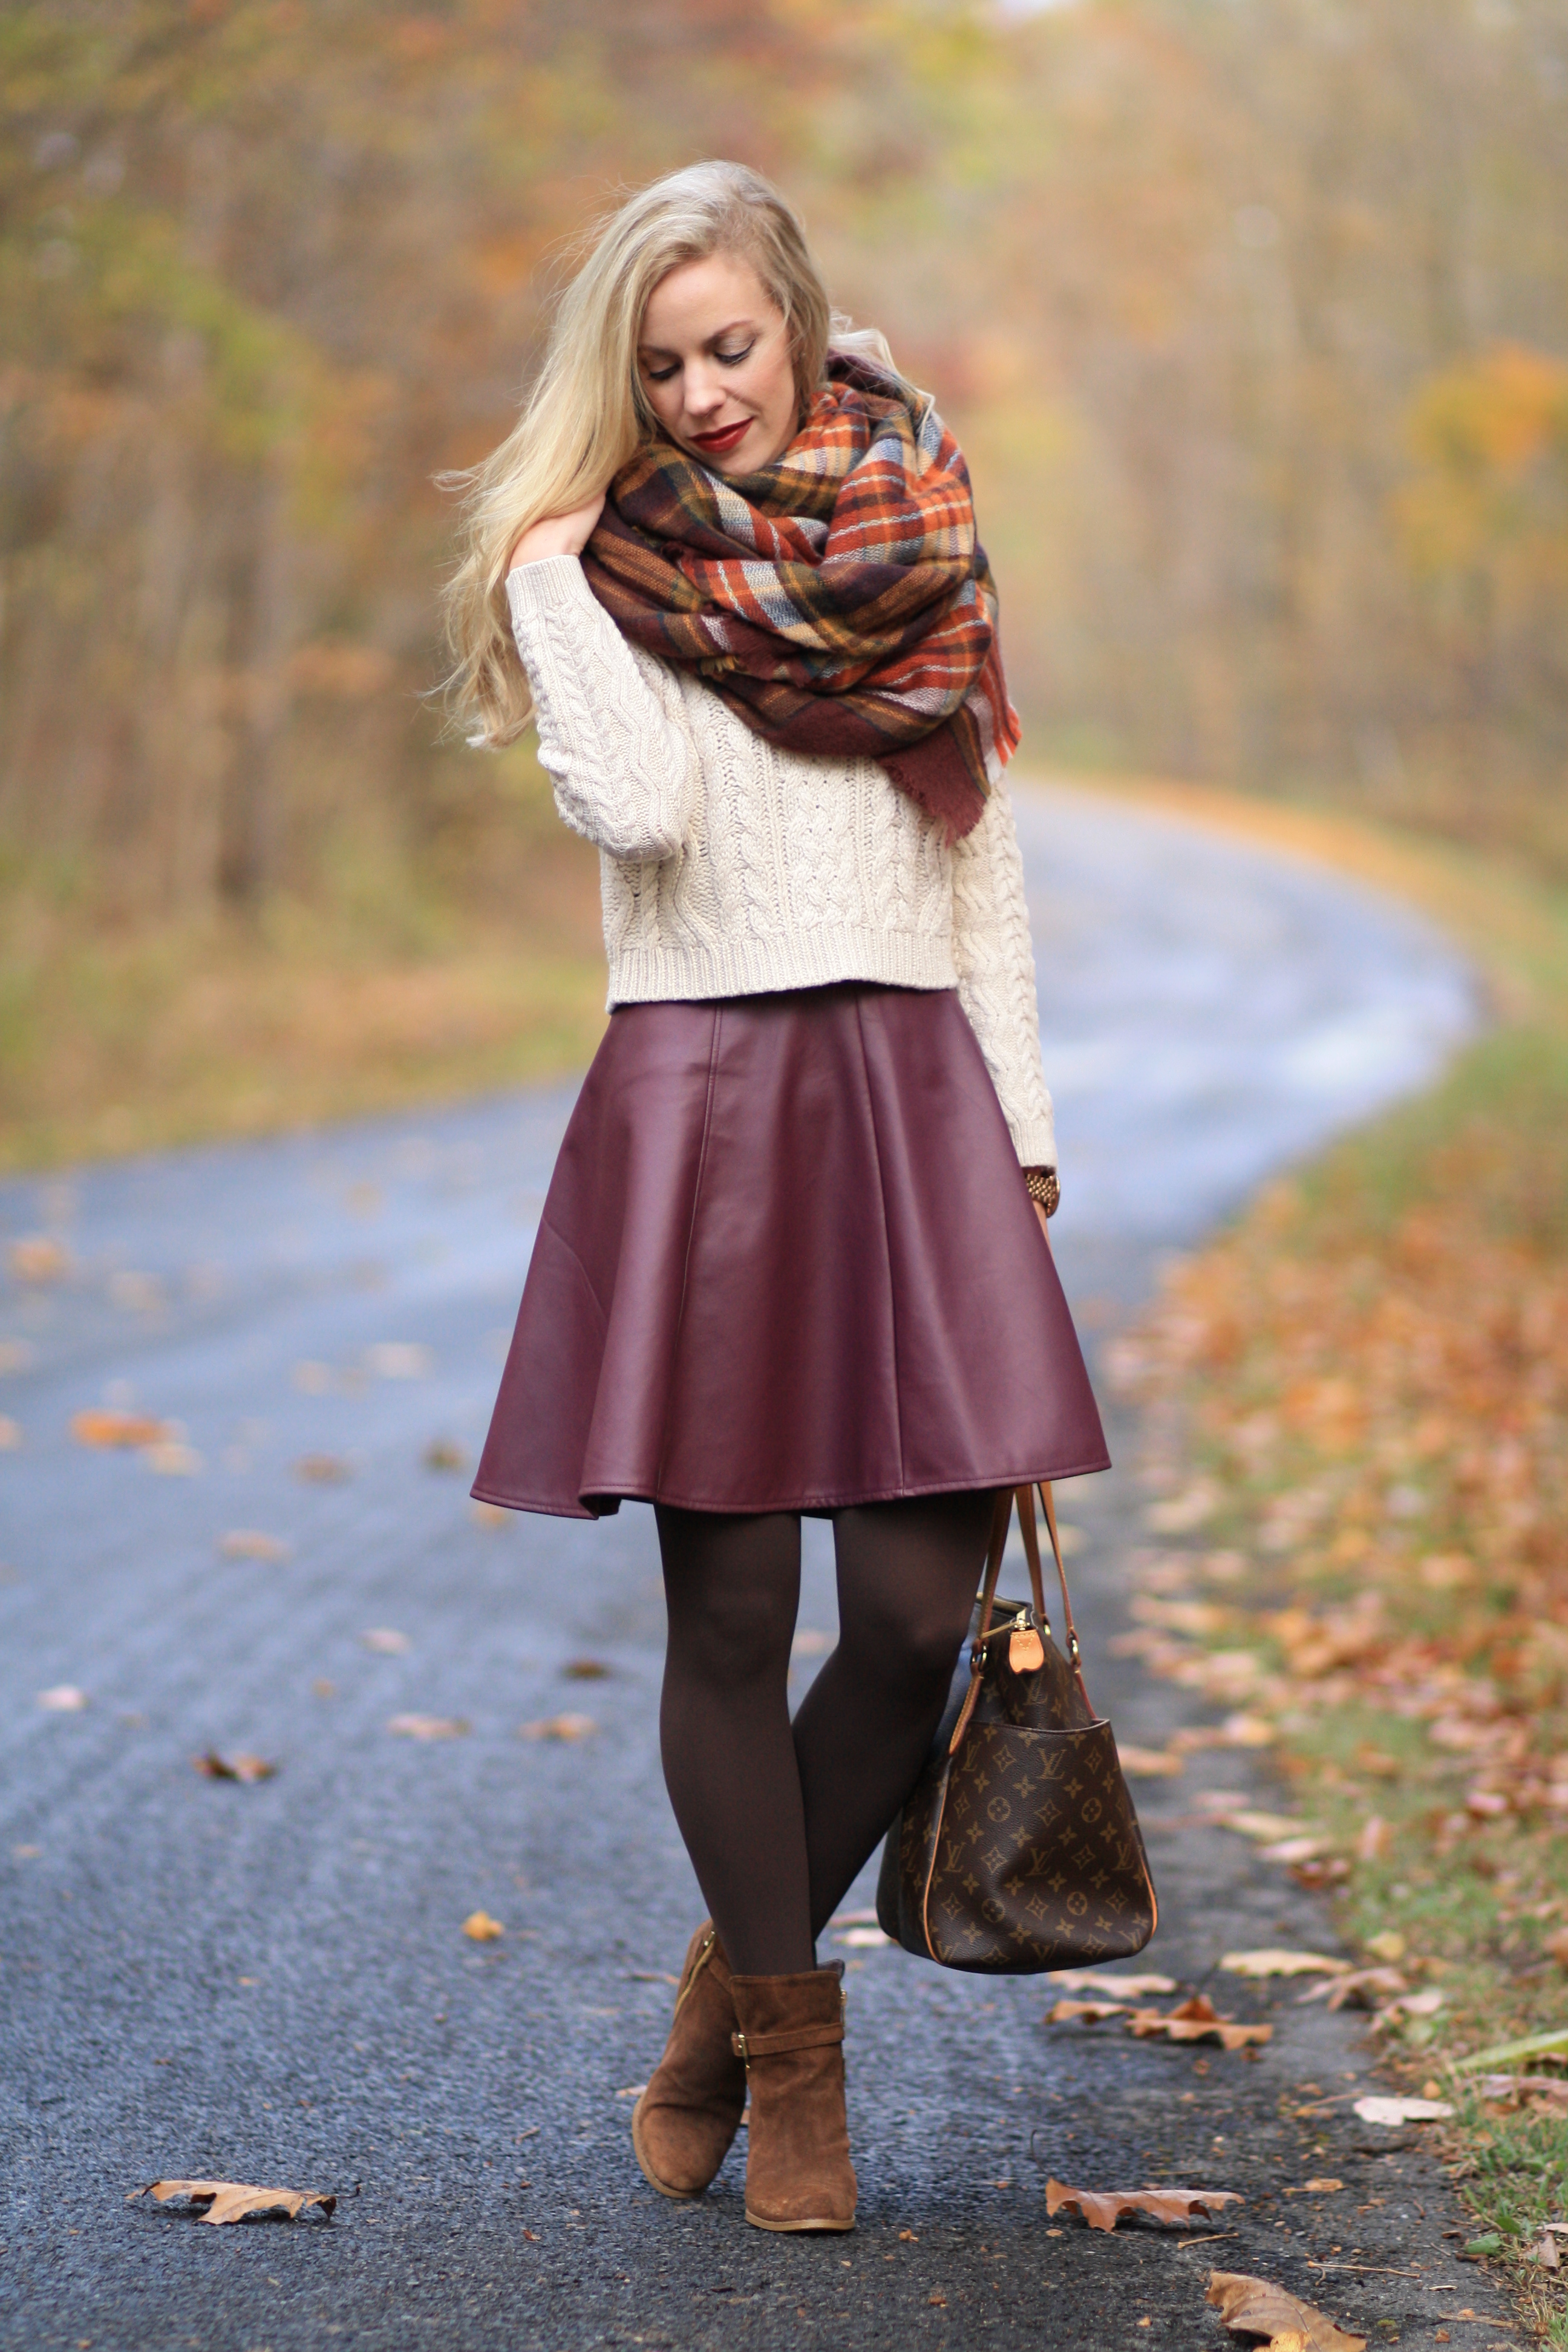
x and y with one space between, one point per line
1025 1653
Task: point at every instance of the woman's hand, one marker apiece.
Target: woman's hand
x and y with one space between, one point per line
562 534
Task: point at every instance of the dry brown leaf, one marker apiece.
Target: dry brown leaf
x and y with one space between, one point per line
1255 2306
1103 2207
445 1453
322 1469
481 1928
558 1727
1085 2013
10 1433
229 2200
238 1766
428 1726
107 1428
249 1543
1358 1989
1150 1763
1324 2188
37 1257
1098 1980
1269 1962
586 1670
1195 2020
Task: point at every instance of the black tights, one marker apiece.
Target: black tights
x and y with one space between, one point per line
779 1817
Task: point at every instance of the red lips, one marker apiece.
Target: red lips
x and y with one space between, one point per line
726 438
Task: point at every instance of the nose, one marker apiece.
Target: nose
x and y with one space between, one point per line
704 389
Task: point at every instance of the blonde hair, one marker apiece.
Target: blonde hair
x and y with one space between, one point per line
587 411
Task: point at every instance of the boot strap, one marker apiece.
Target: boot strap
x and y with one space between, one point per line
773 2045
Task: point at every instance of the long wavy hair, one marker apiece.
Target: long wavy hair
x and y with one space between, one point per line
586 412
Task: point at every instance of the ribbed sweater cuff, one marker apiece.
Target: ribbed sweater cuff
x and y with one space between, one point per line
1036 1143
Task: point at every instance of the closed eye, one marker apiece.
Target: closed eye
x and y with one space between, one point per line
725 359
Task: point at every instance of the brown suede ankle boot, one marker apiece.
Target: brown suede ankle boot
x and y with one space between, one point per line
791 2036
685 2120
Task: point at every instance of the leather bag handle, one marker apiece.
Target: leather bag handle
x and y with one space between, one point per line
1001 1520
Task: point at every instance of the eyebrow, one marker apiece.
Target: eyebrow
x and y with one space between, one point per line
663 351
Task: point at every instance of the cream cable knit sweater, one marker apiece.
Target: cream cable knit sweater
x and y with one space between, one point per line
729 868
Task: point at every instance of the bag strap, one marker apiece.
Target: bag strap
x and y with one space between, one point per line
1032 1547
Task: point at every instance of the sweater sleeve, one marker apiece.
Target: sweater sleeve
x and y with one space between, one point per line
617 751
995 960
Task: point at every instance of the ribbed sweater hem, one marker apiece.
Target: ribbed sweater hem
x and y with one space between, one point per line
807 959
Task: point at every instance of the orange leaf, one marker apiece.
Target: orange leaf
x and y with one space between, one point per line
234 1768
1195 2020
230 2200
107 1428
1255 2306
1103 2207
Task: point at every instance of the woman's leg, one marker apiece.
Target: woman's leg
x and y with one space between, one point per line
732 1587
906 1579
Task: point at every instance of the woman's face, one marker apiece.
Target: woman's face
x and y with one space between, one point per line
714 359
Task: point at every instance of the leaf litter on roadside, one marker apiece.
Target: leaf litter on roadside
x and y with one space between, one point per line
1173 2208
428 1726
1255 2306
252 1543
1269 1962
232 2201
132 1429
559 1727
237 1767
1195 2020
480 1928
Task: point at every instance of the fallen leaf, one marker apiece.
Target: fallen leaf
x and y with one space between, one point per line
810 1643
1546 2254
584 1670
1412 2004
249 1543
558 1727
1355 1991
1263 1826
37 1257
322 1469
1255 2306
853 1919
107 1428
1512 2088
398 1359
1085 2013
633 2090
63 1699
428 1726
1390 2111
228 2201
488 1515
1376 1843
1316 2189
1150 1763
1102 2209
870 1938
238 1766
1267 1962
481 1928
444 1453
313 1379
10 1433
173 1458
1100 1980
382 1638
1388 1946
1195 2020
1293 1850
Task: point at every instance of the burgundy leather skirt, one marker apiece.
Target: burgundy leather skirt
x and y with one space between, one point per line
787 1262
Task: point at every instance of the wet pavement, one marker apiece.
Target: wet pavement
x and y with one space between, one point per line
269 1982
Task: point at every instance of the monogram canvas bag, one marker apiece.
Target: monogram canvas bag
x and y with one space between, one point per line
1018 1849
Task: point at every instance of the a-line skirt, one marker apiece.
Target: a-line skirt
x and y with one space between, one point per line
787 1262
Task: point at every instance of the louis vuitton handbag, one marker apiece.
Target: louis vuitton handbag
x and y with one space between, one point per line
1018 1850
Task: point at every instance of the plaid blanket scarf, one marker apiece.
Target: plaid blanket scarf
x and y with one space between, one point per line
838 599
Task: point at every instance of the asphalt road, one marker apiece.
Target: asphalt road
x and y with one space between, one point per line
270 1983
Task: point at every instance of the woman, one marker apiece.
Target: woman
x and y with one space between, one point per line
792 1259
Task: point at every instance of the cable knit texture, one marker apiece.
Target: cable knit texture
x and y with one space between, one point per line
729 868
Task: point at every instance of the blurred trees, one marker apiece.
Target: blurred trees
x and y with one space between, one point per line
1252 313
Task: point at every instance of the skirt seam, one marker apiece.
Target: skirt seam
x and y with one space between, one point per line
691 1227
887 1245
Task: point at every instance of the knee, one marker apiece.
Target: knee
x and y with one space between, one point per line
741 1634
913 1641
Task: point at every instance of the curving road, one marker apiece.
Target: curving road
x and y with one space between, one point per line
269 1983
